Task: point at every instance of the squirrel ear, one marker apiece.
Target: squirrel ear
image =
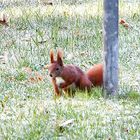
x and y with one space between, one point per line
59 57
52 56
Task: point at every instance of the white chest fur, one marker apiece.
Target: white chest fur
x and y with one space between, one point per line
59 80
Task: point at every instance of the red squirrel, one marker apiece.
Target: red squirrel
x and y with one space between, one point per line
72 76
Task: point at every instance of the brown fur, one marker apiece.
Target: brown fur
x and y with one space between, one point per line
55 87
95 75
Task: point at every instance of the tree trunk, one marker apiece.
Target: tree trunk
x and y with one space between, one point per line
110 46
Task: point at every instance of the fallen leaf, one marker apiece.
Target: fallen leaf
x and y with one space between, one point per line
3 21
32 80
36 77
122 21
66 123
4 58
47 2
126 25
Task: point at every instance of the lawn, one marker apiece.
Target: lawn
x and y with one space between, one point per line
28 108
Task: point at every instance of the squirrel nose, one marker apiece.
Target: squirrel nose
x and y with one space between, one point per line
50 75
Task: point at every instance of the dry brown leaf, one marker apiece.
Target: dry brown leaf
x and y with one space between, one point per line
3 21
36 76
124 23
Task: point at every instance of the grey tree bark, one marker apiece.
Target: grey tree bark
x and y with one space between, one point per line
110 28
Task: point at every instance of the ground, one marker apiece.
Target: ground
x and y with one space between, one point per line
28 108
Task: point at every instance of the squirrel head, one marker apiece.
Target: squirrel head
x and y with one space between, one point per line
56 66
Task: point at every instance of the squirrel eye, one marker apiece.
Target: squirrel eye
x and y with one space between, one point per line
57 68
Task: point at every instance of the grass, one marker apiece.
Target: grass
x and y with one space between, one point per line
28 109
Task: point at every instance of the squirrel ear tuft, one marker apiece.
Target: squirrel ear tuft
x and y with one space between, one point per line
52 56
59 57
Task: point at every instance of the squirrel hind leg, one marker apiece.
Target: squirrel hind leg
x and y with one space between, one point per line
70 90
85 84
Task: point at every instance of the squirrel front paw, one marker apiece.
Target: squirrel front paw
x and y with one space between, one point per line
61 85
59 81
